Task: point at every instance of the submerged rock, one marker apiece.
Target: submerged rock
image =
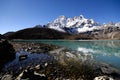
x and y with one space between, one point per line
22 57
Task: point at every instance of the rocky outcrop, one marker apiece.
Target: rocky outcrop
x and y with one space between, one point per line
103 78
7 52
107 32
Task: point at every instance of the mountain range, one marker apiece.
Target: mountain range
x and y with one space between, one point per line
78 24
77 27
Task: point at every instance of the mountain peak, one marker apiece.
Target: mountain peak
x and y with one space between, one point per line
62 16
76 24
81 16
60 19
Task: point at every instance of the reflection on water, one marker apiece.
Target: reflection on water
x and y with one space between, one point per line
80 52
32 60
104 51
66 57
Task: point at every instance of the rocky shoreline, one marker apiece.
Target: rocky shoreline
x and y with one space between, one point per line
33 47
66 64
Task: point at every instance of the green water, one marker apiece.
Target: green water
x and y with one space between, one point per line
107 51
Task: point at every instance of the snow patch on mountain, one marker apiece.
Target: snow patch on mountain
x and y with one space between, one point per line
117 24
58 24
77 24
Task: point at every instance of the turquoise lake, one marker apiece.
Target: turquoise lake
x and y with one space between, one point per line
107 51
104 51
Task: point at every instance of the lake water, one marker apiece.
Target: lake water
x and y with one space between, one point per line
107 51
104 51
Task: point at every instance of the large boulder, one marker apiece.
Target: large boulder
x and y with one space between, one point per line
103 78
1 36
7 52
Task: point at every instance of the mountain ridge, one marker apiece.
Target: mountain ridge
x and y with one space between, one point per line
36 33
78 24
69 28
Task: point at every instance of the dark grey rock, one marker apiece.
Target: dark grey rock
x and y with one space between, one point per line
7 52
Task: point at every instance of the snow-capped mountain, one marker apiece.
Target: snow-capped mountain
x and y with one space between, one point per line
78 24
117 24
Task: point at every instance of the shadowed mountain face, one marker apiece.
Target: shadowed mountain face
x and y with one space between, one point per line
9 33
45 33
37 33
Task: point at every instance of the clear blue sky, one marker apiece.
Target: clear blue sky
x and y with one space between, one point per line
19 14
